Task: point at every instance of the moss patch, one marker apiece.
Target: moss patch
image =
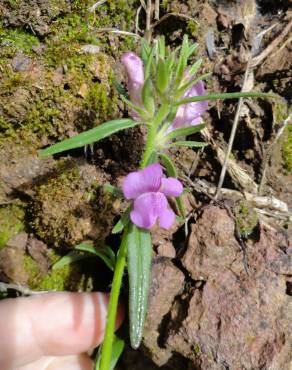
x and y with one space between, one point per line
11 222
246 218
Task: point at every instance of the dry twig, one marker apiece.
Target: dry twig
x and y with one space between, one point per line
272 46
233 132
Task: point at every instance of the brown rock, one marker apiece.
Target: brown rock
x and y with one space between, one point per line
39 251
12 266
18 241
227 318
166 250
167 282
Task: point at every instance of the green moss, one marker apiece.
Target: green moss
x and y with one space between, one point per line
66 278
193 28
18 40
32 269
11 222
197 350
280 110
246 218
287 150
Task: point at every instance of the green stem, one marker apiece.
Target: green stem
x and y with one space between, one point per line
149 147
106 351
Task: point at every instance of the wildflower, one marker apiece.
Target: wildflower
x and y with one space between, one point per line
135 74
187 114
149 189
190 114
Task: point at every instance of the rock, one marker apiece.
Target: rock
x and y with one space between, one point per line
225 318
39 251
12 266
90 49
212 244
18 241
161 298
166 250
21 63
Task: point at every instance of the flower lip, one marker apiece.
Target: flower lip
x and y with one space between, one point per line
149 189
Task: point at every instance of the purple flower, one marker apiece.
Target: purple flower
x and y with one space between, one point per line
135 74
190 114
187 115
149 189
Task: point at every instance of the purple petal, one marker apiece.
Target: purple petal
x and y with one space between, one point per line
166 219
190 114
171 187
135 73
144 181
147 208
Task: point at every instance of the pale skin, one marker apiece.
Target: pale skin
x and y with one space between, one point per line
52 331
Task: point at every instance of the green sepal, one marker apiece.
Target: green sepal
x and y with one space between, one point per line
168 164
162 77
147 96
182 62
139 253
194 68
90 136
188 85
184 131
145 50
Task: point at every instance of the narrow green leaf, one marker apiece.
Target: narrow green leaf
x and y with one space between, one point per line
192 48
90 136
194 68
117 349
169 165
191 144
123 221
223 96
70 258
182 62
103 252
191 83
139 269
110 189
184 131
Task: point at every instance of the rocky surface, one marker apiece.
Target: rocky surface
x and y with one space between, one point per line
224 317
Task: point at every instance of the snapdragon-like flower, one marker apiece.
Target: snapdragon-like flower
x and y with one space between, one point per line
190 114
149 189
187 114
135 78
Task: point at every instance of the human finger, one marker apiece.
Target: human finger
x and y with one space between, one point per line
54 324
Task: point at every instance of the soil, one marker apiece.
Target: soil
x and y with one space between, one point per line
221 284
